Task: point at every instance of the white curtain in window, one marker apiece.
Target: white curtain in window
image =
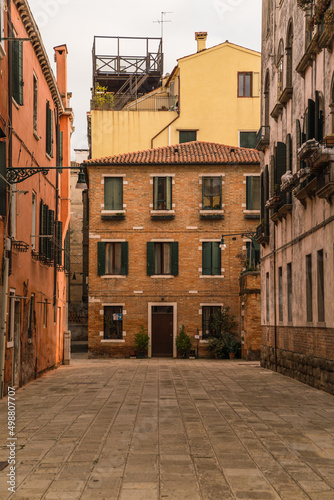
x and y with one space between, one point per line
167 258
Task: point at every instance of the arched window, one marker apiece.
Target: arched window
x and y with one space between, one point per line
289 43
280 57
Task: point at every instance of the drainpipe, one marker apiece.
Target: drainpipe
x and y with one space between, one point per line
169 124
275 305
3 324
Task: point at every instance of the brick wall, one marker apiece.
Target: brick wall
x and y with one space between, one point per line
305 354
188 290
250 312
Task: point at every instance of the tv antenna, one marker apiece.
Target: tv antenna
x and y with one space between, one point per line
162 21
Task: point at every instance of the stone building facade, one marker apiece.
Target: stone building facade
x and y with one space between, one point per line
297 186
155 225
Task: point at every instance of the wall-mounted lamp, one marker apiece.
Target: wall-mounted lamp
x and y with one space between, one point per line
19 174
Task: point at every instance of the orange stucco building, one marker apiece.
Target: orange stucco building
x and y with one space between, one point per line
33 293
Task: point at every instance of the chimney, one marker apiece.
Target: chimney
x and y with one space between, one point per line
61 63
201 37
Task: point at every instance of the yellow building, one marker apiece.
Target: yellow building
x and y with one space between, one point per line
212 95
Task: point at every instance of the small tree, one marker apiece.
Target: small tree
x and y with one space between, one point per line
183 342
224 341
102 98
141 341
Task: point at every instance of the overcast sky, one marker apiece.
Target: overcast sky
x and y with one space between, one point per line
75 22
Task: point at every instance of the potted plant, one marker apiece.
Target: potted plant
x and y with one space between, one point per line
223 341
141 342
183 342
102 99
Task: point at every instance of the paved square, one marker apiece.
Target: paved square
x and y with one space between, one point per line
170 429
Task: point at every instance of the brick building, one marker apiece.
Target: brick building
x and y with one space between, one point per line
34 199
297 230
155 223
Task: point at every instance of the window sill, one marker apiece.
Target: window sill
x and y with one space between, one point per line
211 214
113 214
212 276
162 276
162 212
10 344
203 341
112 341
251 214
37 137
113 276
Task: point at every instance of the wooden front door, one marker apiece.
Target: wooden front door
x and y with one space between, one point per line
162 331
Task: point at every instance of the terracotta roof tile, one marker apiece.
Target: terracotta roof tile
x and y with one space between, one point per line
196 152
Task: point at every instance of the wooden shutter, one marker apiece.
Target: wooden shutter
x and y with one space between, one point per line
50 232
155 192
272 174
298 141
319 119
3 184
49 130
101 258
124 258
59 243
249 192
310 120
262 196
17 69
150 258
175 258
288 152
206 258
280 162
67 251
216 258
169 184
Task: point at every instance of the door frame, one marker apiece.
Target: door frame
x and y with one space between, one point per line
162 304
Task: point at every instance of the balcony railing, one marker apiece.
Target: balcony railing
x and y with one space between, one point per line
263 137
143 103
262 233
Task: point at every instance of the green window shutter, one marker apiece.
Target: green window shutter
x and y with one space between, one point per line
249 192
298 141
175 258
50 232
262 196
3 185
41 215
169 184
206 258
44 229
288 152
101 258
124 258
310 130
17 70
187 136
67 251
51 132
59 242
150 258
280 163
216 258
113 193
47 131
272 174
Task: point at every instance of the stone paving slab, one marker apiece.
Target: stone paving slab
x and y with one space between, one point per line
169 429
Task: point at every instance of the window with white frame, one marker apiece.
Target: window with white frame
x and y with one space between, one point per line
112 258
211 258
113 193
162 193
113 322
209 314
253 192
162 258
212 193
